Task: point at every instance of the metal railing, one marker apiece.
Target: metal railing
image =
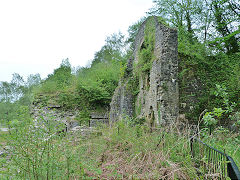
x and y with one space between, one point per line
211 162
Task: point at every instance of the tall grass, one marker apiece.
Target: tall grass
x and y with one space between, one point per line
120 151
225 141
124 152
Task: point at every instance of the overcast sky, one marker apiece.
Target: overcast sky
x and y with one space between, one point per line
36 35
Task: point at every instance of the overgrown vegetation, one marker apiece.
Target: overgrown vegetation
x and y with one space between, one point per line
224 140
209 79
122 151
88 88
126 150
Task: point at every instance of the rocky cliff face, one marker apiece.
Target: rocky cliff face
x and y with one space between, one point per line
149 88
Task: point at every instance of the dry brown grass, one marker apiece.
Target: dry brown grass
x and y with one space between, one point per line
142 166
122 161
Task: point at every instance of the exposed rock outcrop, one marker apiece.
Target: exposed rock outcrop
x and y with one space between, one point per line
157 95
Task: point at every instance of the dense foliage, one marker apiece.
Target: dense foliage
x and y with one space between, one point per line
209 81
214 22
91 87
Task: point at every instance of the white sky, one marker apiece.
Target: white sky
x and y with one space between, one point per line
36 35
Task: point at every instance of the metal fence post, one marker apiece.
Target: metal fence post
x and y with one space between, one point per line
216 160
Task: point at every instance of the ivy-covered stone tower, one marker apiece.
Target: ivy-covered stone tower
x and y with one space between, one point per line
149 86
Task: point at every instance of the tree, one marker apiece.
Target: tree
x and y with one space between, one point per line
113 50
17 87
225 16
61 76
180 13
214 22
33 80
10 92
132 31
5 92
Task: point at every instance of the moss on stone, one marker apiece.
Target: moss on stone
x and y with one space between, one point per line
146 51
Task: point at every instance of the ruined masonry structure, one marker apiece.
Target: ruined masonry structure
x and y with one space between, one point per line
157 99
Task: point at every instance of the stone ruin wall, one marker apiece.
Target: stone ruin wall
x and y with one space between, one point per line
42 112
122 103
160 101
